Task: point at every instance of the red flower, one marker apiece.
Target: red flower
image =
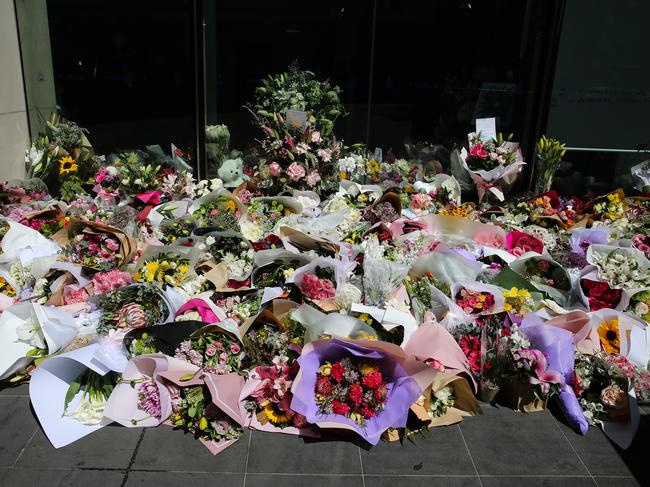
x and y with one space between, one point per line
355 394
323 385
600 295
340 407
471 347
367 411
337 371
373 380
379 394
521 242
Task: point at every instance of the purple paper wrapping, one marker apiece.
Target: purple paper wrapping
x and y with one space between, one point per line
403 390
557 344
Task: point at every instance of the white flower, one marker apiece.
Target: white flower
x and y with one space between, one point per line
138 182
641 308
30 332
347 164
189 316
210 240
111 170
252 231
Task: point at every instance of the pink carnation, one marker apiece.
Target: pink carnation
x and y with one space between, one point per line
104 282
313 178
295 171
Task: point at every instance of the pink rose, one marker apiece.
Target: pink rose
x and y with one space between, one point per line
313 178
275 169
478 151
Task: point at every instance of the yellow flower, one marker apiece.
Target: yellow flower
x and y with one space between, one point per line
343 175
6 288
231 206
507 307
364 317
325 369
67 164
609 337
276 416
373 166
182 271
150 270
203 423
367 369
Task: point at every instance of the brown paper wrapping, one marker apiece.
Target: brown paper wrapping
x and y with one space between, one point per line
128 245
305 242
465 404
56 299
520 396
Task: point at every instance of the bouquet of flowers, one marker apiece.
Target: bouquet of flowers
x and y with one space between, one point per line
351 388
213 350
240 307
602 389
133 306
519 302
320 284
220 210
95 245
359 385
491 161
621 268
165 268
232 249
599 295
609 207
265 213
640 305
546 273
475 302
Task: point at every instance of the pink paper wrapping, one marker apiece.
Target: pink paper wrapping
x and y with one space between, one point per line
432 341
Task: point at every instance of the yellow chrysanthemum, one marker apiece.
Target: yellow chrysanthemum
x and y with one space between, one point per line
343 175
609 336
507 307
6 288
67 164
373 166
276 416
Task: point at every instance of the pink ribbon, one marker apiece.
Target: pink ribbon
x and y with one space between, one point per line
152 197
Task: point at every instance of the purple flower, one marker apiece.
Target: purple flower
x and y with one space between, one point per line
582 238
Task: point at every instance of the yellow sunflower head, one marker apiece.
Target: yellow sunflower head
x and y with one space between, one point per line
609 336
275 416
67 164
231 206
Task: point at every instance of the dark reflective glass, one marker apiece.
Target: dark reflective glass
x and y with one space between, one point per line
125 70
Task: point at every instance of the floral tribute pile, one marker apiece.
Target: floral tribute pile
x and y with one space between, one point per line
331 289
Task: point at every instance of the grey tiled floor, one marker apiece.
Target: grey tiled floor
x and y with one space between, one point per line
499 449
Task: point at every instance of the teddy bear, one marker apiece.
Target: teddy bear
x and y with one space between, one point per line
231 172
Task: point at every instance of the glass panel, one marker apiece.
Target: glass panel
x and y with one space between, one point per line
246 41
122 69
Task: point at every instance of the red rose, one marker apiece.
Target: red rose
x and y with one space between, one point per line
521 242
489 301
337 371
323 386
600 295
373 380
355 394
340 407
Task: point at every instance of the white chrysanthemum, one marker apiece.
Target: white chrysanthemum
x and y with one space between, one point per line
251 231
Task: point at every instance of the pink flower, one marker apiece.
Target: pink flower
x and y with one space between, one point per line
104 282
315 137
478 151
235 348
275 169
295 171
313 178
324 154
211 351
71 296
420 201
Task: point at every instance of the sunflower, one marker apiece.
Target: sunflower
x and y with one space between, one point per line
609 337
67 164
275 416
